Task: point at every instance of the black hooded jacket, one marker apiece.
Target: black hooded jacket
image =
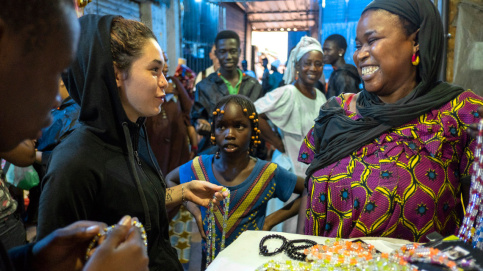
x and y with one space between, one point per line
105 169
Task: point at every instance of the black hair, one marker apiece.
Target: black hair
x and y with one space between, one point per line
128 38
339 40
227 34
250 113
39 18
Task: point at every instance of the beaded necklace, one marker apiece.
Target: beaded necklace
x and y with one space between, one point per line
95 241
348 255
474 211
211 236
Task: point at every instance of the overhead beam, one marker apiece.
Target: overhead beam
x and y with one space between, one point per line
231 1
243 6
282 11
290 20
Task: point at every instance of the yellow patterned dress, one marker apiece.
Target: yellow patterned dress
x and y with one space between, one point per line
248 200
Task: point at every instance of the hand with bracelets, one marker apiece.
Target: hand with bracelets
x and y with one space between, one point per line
133 235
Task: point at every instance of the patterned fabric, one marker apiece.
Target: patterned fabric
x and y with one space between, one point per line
7 204
405 184
180 235
248 200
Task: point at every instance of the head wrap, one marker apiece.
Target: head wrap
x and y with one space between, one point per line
337 136
305 45
275 63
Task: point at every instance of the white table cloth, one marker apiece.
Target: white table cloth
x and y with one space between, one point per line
243 254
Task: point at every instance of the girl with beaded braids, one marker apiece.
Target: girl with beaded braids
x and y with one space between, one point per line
251 181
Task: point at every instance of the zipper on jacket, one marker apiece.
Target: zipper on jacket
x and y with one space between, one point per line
136 155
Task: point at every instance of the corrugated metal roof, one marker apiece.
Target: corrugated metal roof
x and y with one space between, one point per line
275 15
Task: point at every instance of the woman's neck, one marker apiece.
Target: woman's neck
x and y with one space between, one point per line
306 89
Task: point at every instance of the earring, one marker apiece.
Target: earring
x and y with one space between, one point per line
415 59
340 54
213 140
297 75
217 155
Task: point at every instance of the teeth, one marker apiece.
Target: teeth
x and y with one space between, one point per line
369 70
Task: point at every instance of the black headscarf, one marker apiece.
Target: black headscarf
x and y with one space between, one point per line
336 135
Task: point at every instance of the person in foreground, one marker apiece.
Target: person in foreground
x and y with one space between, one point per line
26 103
394 159
251 181
106 168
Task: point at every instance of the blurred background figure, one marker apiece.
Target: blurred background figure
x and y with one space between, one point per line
265 76
344 78
186 76
246 70
275 77
211 69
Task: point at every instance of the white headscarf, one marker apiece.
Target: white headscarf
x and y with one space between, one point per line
305 45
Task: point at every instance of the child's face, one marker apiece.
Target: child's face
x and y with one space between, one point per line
233 130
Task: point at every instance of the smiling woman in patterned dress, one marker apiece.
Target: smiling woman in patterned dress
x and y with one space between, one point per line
394 159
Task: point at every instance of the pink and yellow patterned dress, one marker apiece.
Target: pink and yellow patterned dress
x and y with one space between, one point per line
404 184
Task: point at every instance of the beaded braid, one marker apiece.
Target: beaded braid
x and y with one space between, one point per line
248 110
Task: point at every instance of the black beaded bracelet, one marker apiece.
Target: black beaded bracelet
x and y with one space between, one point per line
293 251
263 248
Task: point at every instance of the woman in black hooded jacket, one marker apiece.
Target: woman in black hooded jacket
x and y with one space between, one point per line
105 168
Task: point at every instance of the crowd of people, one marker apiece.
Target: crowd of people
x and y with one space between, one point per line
382 149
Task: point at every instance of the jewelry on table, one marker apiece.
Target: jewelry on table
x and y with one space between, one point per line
349 255
211 236
474 211
263 248
95 241
293 251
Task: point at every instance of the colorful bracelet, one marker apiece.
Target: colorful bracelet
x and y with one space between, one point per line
95 241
